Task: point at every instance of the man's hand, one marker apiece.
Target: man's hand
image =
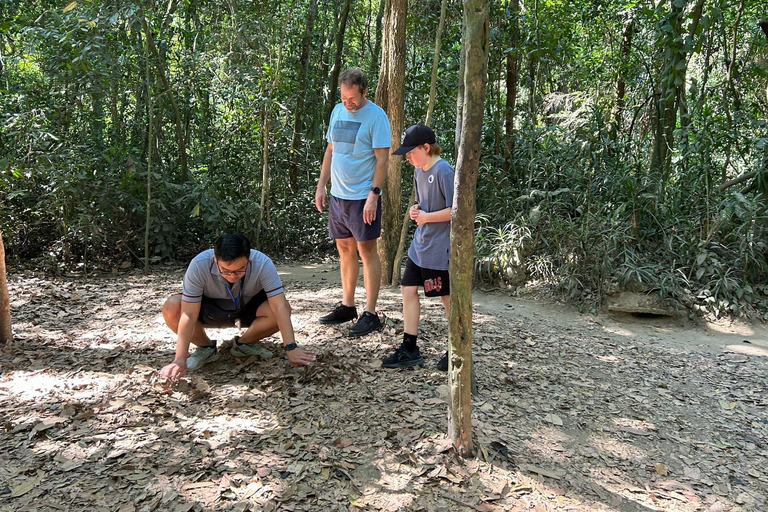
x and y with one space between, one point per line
320 196
414 211
175 370
300 357
369 210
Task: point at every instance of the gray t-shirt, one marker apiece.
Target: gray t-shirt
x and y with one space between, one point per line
203 279
434 191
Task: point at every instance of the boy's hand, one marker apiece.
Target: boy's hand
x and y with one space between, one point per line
414 211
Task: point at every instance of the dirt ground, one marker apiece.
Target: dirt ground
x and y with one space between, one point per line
573 412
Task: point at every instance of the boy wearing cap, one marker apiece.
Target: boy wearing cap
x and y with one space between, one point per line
427 263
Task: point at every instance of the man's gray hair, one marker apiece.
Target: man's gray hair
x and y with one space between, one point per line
354 76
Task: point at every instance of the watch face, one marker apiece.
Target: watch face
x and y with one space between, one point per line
376 190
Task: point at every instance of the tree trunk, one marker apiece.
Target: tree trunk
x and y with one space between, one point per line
390 93
512 78
475 56
336 70
6 332
671 81
621 82
428 121
263 217
376 56
150 134
460 99
161 71
293 171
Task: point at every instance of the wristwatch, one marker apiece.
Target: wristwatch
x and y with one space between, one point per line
376 190
290 346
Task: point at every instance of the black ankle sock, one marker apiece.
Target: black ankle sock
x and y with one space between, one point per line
409 341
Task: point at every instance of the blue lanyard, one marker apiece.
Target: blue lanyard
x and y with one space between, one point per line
236 302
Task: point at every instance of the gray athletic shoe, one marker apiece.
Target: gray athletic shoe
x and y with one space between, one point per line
252 349
202 356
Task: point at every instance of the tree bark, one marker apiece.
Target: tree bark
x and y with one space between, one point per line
150 134
298 120
618 106
390 93
459 99
336 69
475 56
512 79
667 94
161 71
6 332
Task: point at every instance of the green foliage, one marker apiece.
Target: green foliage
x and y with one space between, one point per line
591 191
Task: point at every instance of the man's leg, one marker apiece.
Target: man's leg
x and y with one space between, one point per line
350 269
171 315
371 273
265 324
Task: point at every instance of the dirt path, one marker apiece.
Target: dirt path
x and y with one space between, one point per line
574 412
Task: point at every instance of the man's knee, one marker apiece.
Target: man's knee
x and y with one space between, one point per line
367 249
346 247
172 308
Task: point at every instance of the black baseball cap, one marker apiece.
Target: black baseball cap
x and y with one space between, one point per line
415 135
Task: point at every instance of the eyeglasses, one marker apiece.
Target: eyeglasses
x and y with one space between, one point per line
226 272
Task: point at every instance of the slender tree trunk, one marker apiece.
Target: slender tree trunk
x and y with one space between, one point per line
460 99
428 121
666 98
618 106
512 79
330 100
161 71
390 94
263 217
6 331
475 52
435 62
293 172
150 134
376 56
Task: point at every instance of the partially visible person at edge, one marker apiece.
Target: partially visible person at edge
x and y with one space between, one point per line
427 264
230 285
355 161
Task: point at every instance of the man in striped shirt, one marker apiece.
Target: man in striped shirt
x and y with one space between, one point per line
230 285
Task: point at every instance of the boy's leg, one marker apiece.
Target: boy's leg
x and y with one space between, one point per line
447 305
411 309
172 313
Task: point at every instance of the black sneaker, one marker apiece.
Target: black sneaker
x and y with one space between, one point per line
403 358
442 364
367 323
339 315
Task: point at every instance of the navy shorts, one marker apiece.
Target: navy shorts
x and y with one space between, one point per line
214 314
435 282
345 220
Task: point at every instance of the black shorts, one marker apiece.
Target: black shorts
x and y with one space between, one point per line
434 282
345 220
213 312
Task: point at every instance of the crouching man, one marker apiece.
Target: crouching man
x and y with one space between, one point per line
230 285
